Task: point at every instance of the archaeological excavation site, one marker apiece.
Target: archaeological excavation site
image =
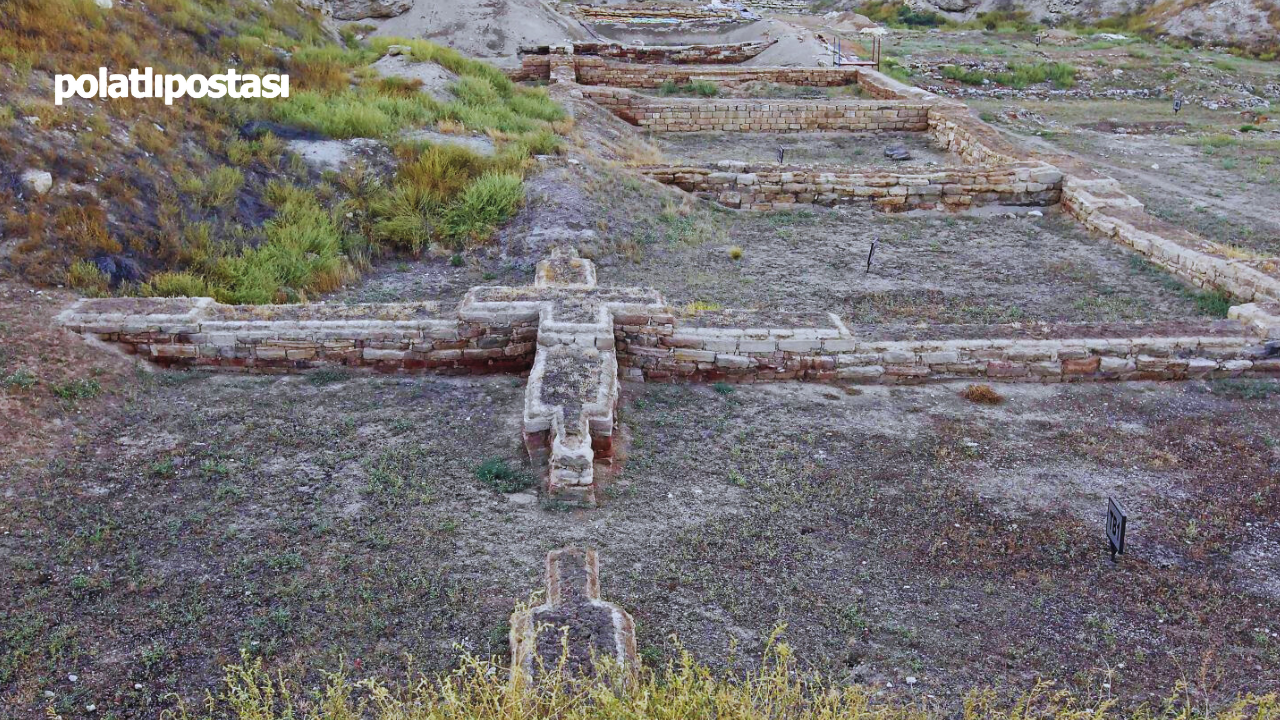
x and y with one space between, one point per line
648 359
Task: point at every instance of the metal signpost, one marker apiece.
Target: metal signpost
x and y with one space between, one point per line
1117 522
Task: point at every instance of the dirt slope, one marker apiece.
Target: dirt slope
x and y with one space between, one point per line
488 28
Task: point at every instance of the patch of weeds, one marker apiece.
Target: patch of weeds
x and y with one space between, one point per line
1214 303
79 389
328 376
722 388
1243 389
982 394
700 88
284 562
20 379
499 475
735 253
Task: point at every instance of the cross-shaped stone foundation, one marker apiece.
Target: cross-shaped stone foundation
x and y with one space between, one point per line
574 624
561 329
573 387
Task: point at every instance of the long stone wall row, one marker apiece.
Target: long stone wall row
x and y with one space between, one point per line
657 14
693 115
773 187
601 71
653 345
829 354
282 338
730 53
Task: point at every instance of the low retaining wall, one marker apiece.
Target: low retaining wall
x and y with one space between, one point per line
656 14
770 187
1224 349
598 71
199 332
692 115
660 54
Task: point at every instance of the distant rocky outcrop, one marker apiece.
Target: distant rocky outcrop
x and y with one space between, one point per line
360 9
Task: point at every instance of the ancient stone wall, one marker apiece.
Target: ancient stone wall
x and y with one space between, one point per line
663 54
1100 205
200 332
652 14
691 115
818 354
599 71
771 186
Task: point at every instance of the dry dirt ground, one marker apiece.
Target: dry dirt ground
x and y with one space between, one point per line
837 150
336 520
972 268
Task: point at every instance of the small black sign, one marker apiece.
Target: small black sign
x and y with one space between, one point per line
1117 522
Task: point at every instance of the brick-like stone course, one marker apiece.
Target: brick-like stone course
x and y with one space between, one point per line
287 338
694 115
721 54
831 355
771 186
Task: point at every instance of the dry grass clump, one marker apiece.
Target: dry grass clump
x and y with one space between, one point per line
982 394
683 689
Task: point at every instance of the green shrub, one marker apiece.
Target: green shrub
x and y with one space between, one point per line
497 474
701 88
80 389
175 284
1215 303
487 203
86 278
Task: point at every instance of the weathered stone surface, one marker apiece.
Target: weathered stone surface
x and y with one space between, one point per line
574 629
362 9
36 181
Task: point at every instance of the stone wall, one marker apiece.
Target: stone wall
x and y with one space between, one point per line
601 71
1134 352
1100 205
662 54
771 186
197 332
691 115
655 14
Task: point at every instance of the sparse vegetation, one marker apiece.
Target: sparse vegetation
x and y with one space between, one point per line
699 88
1019 75
499 475
480 690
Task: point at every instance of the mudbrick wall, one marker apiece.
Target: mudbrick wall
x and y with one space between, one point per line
661 54
772 187
691 115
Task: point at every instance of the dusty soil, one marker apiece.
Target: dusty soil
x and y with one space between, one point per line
825 149
1195 169
932 268
336 521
